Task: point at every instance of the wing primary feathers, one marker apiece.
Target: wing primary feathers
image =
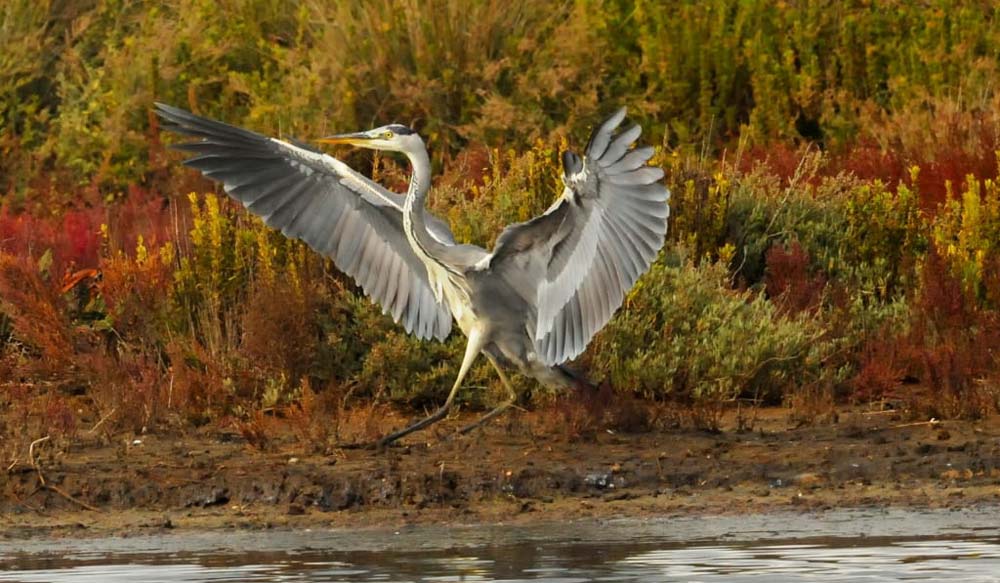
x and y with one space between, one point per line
602 135
612 223
620 144
311 196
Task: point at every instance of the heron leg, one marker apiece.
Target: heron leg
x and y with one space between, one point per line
511 398
472 350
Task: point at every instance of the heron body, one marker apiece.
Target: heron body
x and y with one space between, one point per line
532 303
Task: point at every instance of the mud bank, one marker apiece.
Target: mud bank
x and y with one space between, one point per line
506 473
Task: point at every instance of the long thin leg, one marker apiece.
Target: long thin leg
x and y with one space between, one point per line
472 350
511 398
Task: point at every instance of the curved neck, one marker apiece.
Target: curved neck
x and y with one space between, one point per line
423 243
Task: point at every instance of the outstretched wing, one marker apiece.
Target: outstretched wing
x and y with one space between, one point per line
314 197
576 262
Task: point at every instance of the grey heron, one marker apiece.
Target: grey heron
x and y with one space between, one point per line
533 302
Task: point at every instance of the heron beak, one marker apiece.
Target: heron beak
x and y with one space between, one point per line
355 139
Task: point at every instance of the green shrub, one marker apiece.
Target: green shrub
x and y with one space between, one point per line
685 335
805 69
487 71
899 97
967 231
861 235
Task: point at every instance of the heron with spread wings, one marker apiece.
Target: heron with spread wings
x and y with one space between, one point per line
533 303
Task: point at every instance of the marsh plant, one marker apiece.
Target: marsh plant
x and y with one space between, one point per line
834 228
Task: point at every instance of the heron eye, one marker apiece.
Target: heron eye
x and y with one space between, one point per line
387 134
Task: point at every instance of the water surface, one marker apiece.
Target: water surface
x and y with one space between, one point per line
866 546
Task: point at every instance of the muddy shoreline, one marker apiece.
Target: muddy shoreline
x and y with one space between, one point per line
510 473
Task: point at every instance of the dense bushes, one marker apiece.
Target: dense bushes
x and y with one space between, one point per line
685 335
472 72
835 214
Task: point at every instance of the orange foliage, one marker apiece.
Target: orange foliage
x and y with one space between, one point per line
279 335
33 307
196 382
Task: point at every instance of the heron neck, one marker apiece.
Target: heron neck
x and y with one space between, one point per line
414 217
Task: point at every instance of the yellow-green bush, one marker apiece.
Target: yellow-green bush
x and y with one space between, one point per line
894 99
483 71
807 69
259 307
685 334
863 235
967 231
514 187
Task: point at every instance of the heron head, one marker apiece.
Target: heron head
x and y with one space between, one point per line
393 137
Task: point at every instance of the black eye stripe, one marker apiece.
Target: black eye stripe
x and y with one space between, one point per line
400 130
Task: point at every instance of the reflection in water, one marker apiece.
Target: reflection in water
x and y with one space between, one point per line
863 545
850 560
861 559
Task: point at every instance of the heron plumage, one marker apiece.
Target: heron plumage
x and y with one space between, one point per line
339 213
535 302
586 256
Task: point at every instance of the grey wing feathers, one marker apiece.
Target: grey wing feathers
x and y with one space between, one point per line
580 259
318 199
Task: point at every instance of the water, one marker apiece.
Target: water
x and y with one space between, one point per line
867 546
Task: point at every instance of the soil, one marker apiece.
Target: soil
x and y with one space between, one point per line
510 472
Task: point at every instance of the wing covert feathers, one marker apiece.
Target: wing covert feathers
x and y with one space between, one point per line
310 196
579 259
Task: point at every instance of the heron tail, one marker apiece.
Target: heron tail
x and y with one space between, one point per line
571 378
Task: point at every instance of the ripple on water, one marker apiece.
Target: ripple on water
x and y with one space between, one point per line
966 547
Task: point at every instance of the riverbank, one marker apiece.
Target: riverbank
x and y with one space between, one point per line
521 471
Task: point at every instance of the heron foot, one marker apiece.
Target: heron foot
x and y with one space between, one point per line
356 445
482 420
429 420
476 342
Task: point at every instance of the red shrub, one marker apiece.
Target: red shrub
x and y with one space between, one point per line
128 385
470 167
779 159
943 301
881 370
867 160
60 418
23 235
81 241
293 324
197 382
951 351
73 238
788 281
136 295
34 310
948 144
146 214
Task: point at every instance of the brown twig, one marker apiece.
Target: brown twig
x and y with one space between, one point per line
24 501
101 422
45 485
31 457
65 495
931 422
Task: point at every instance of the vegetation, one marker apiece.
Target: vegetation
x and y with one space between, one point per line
835 219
